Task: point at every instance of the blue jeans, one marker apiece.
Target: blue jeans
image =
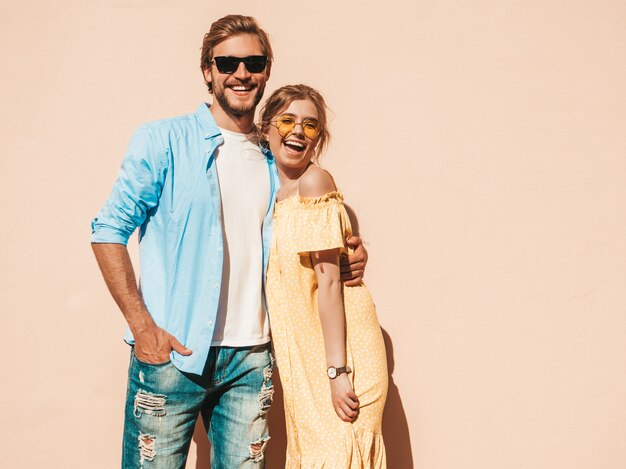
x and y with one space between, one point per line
233 395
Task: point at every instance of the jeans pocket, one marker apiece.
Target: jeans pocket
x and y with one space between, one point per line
142 363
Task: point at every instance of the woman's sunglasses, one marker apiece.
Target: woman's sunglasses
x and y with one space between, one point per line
286 123
228 64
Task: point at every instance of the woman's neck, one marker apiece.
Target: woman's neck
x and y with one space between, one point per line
289 180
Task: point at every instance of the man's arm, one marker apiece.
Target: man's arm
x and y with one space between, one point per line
152 343
353 268
137 190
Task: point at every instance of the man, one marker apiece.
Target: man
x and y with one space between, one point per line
198 324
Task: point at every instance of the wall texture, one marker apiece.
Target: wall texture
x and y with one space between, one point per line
481 145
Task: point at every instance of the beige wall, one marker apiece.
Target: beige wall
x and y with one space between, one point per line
481 145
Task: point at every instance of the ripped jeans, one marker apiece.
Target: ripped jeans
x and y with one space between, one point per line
233 396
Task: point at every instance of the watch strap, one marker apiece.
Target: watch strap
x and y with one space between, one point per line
338 370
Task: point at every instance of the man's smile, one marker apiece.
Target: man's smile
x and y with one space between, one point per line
241 89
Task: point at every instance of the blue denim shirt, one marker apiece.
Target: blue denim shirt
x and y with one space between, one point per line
168 187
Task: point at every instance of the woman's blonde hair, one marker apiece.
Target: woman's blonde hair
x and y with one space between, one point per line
283 97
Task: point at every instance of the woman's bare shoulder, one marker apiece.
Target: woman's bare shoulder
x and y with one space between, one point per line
315 181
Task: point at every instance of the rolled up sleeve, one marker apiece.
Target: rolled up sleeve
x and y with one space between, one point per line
137 190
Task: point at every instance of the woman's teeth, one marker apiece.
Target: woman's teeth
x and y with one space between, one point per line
296 146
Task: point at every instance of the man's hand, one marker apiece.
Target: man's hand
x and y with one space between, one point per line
353 268
153 345
344 400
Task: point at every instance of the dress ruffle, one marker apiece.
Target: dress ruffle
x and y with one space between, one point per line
362 449
333 197
317 223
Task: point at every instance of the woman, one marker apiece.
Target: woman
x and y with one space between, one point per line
328 343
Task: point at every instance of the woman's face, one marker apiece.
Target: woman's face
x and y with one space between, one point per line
294 150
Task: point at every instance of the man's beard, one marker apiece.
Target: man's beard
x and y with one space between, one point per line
238 109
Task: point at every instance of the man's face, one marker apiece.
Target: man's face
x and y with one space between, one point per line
237 93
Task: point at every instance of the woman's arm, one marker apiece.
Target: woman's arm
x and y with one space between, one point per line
314 183
333 320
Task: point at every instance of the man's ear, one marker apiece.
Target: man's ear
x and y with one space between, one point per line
268 69
207 75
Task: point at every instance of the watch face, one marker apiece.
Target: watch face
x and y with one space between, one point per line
332 372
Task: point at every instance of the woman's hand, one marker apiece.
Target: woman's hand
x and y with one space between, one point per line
344 399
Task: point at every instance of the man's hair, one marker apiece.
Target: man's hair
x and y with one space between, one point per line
283 97
229 26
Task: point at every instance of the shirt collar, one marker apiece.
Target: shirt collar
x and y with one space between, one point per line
207 122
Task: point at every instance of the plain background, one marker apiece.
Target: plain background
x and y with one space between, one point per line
481 145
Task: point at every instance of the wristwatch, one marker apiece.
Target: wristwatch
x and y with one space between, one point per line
333 371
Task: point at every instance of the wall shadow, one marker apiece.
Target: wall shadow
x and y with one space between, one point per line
354 221
203 446
395 424
277 447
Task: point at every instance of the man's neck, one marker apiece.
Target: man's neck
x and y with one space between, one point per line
243 124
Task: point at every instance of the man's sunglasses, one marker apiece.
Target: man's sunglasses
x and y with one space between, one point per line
286 123
228 64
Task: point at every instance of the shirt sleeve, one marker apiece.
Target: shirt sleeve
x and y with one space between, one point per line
320 224
137 189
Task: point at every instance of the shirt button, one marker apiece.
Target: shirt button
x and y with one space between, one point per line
210 323
217 285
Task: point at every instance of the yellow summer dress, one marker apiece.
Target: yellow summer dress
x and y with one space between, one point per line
316 437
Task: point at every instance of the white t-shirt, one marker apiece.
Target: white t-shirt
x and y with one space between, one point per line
245 190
